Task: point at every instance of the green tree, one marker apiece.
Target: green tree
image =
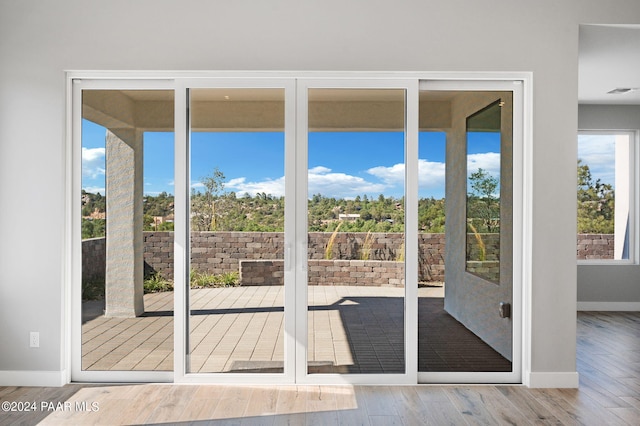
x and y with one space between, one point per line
483 207
596 203
431 215
206 207
93 228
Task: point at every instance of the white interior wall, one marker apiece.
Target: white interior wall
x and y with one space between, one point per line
39 40
609 287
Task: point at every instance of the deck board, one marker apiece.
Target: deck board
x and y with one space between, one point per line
351 329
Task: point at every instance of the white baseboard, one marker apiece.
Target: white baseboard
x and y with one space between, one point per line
608 306
553 380
33 378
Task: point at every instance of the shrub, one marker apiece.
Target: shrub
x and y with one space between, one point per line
92 289
400 253
483 251
365 251
205 279
328 252
156 283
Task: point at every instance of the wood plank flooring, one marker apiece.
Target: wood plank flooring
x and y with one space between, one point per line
351 329
609 394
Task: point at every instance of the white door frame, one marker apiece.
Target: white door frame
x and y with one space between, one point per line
411 229
181 255
76 85
295 248
518 143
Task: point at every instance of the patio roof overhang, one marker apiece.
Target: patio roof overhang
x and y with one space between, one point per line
254 110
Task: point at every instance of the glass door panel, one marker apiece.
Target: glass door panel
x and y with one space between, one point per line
236 295
127 140
483 192
355 265
465 323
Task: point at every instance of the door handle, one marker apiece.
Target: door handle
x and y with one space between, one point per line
303 250
287 258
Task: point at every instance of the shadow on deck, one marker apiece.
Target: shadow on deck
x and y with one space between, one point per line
351 330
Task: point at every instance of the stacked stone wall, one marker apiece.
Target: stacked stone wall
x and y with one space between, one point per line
489 270
374 273
491 244
221 252
596 246
94 253
431 258
261 272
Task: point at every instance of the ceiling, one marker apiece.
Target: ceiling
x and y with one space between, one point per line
609 58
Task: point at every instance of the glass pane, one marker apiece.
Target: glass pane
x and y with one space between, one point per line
356 231
459 327
431 245
604 200
483 193
127 224
236 309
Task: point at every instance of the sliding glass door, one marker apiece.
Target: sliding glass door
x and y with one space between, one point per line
469 306
237 267
297 230
352 294
123 222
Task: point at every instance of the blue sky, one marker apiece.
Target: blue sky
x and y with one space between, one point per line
341 165
599 153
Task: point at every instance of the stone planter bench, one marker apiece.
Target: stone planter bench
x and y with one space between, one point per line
374 273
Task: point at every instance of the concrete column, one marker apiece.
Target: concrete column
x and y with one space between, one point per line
124 245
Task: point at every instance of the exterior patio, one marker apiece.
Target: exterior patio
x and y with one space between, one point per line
352 329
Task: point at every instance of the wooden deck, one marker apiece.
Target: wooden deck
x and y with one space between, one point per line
352 329
609 393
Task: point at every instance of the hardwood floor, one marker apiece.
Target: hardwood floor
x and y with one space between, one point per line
609 394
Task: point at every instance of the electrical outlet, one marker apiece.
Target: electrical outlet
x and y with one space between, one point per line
34 339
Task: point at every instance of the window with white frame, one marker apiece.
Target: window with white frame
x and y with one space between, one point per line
606 196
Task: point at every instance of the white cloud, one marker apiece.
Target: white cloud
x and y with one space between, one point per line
430 174
240 186
93 164
319 170
487 161
323 181
95 189
599 153
197 185
393 175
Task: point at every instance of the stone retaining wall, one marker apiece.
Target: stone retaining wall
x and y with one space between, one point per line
375 273
596 246
94 253
489 269
261 272
220 252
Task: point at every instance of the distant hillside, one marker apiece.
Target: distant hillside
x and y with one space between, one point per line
264 212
